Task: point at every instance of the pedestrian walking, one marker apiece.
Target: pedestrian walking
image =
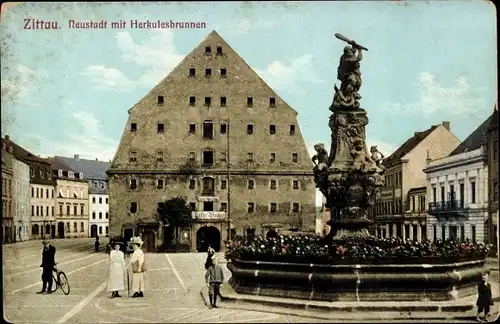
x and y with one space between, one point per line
210 255
48 263
96 244
138 268
214 278
484 300
116 281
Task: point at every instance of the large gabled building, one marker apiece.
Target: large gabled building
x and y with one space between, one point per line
214 132
400 211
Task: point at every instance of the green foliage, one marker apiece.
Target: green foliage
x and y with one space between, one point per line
175 211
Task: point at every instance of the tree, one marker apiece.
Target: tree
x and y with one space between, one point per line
175 212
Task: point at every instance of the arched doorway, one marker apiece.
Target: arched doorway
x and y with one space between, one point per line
148 237
60 229
271 234
93 230
207 235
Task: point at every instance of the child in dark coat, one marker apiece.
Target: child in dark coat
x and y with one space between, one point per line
484 300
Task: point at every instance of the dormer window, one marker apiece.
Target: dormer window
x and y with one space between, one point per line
80 175
219 50
59 173
32 172
42 175
71 174
49 175
208 50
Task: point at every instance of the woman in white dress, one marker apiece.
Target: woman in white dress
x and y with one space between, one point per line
138 268
116 281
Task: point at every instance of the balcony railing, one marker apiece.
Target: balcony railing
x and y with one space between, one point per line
447 206
209 215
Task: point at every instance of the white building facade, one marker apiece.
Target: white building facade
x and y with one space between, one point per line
458 192
99 208
21 200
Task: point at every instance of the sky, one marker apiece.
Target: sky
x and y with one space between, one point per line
67 91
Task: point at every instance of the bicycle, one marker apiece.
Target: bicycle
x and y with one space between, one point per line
60 280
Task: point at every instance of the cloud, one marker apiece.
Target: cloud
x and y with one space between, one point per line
157 56
286 75
21 83
458 99
244 26
86 140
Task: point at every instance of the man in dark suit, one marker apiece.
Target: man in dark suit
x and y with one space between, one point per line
48 263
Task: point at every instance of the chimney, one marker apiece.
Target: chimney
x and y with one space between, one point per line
446 125
77 156
7 137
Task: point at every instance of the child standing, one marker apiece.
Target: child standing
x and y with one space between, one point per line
214 278
484 300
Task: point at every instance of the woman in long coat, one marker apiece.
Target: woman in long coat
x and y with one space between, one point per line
116 281
138 269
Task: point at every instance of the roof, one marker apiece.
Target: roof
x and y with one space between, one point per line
91 169
475 140
21 154
494 119
409 145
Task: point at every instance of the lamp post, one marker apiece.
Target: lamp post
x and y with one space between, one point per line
228 185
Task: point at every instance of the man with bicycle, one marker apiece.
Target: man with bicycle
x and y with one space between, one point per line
48 263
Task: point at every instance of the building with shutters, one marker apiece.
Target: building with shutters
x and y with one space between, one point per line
94 172
393 212
458 191
214 132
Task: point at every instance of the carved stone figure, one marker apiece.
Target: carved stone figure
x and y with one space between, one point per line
320 160
377 156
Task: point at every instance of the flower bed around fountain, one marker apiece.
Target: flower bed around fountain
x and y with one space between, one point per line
305 267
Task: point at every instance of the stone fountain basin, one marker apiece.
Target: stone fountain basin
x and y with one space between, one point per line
432 281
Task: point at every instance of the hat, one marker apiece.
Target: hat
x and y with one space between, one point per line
45 242
136 240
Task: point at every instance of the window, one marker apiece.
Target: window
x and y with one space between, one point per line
495 191
192 156
273 208
133 156
100 200
249 102
192 184
473 192
208 206
32 192
223 73
32 172
413 203
160 100
473 232
462 233
295 208
68 210
107 200
53 214
133 207
160 128
208 130
133 127
192 101
133 183
159 184
272 157
250 207
462 194
223 206
208 158
32 210
495 150
295 184
208 50
75 210
434 194
192 128
37 192
49 175
192 205
292 129
208 73
223 184
208 101
250 157
42 175
272 102
272 184
223 128
249 129
250 184
442 194
443 232
100 215
159 156
295 157
219 50
208 186
93 215
47 211
60 209
223 101
223 156
75 229
272 129
192 72
107 215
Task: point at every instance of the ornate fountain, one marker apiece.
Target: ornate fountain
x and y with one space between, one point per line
350 177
